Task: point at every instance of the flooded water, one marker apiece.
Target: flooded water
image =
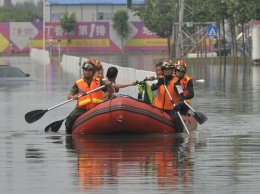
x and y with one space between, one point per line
222 156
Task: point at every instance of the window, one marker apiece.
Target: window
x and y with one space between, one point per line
107 16
103 16
56 16
100 16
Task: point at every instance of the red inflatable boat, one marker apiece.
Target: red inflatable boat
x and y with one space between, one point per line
126 115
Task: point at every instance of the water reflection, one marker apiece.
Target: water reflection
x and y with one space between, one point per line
34 153
227 158
161 160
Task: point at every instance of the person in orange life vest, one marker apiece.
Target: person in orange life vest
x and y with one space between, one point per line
162 99
186 83
86 84
111 76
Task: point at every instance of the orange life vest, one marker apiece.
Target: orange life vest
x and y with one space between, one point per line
90 100
162 99
184 82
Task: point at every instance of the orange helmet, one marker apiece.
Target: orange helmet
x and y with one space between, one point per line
182 62
181 66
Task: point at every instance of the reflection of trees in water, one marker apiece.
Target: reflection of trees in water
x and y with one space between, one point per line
110 160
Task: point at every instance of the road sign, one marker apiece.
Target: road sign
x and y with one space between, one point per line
212 31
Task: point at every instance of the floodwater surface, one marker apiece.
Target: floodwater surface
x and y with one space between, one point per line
222 156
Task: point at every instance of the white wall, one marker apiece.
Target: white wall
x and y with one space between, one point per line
125 75
41 56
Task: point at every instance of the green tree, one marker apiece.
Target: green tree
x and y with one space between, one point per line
21 12
213 11
120 24
235 12
68 24
158 17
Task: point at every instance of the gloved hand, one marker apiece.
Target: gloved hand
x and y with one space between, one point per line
178 106
160 81
181 97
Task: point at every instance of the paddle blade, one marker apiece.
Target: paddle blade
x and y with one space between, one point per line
35 115
55 126
200 117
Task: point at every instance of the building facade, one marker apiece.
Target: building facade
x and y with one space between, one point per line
93 30
88 10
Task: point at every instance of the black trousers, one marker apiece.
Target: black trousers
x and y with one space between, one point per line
177 120
72 118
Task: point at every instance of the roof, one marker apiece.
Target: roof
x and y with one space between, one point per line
94 2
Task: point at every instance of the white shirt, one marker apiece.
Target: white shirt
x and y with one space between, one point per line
106 94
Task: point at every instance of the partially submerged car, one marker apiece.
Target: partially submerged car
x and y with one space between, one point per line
8 72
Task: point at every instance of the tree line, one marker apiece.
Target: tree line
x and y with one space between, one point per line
159 17
22 12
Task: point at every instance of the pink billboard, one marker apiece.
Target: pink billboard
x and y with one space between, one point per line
87 36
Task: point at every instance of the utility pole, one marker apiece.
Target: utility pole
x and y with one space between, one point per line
179 35
174 37
43 26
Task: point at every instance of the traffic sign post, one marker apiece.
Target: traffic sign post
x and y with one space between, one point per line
212 33
50 51
59 41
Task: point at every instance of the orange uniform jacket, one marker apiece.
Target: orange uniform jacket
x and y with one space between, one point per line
162 99
184 81
90 100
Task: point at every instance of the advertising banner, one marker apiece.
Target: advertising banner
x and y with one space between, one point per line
87 36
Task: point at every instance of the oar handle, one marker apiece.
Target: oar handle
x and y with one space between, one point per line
169 94
189 106
180 90
67 101
60 104
178 113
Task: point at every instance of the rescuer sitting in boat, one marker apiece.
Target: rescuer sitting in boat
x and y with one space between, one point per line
172 103
83 86
186 83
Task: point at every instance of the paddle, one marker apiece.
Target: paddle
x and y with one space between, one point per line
55 126
35 115
178 113
200 117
